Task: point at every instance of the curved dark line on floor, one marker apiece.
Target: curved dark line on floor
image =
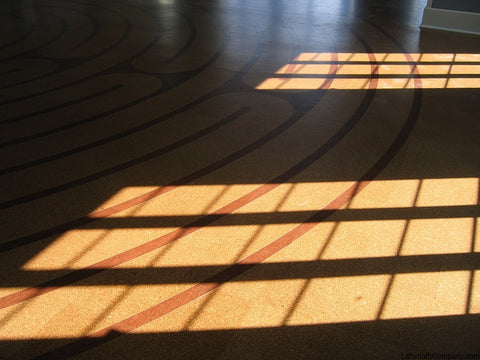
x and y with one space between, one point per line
25 81
151 155
62 23
133 322
128 26
89 178
121 134
200 68
190 40
161 190
414 112
197 224
22 38
188 44
96 30
106 113
130 131
8 72
127 32
212 167
60 128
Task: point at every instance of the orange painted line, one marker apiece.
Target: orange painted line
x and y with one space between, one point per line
133 322
154 244
290 69
151 245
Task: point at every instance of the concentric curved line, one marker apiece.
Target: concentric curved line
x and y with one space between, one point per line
55 38
188 44
263 189
60 128
146 157
133 322
96 28
210 94
213 58
193 226
25 70
154 193
128 28
119 41
132 130
21 39
8 72
94 33
102 141
117 136
192 73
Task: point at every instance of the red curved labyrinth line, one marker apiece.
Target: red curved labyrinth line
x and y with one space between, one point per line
154 244
142 198
144 317
217 280
135 321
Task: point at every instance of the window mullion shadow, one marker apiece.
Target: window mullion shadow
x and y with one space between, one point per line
470 295
389 287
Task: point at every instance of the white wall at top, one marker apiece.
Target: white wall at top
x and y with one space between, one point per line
452 20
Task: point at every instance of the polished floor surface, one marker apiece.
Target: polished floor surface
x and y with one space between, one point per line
237 179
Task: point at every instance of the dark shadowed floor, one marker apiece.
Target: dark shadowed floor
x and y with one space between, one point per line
237 179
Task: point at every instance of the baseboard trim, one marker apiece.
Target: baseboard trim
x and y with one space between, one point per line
450 20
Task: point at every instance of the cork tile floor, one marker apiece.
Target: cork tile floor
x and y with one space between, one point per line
238 179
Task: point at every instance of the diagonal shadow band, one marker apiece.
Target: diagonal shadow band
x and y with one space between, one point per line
288 217
263 271
399 338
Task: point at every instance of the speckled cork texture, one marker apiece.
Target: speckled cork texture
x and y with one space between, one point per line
237 180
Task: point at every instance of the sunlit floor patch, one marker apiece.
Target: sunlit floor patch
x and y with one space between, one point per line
357 71
425 216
